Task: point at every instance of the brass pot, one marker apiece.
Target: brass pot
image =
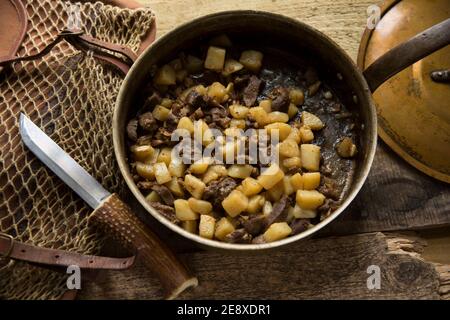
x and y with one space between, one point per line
354 91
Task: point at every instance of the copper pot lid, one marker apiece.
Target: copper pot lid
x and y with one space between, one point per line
413 109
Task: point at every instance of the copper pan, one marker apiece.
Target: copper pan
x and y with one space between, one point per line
353 86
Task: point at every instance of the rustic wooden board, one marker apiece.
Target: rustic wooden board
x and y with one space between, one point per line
331 268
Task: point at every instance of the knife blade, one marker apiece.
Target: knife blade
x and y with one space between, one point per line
110 212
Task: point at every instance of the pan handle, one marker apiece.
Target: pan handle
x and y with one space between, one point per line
406 53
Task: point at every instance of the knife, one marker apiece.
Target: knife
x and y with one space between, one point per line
110 213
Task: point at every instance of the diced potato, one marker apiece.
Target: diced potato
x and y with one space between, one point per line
177 168
175 187
167 103
165 76
289 148
237 123
266 105
271 176
145 170
310 155
142 153
183 211
311 180
259 115
154 157
215 58
300 213
297 181
297 97
162 174
283 129
291 163
218 92
235 203
240 171
312 121
207 136
206 226
165 155
277 116
251 186
252 60
233 132
152 197
306 134
180 75
200 206
309 199
187 124
292 111
214 173
194 186
312 89
346 148
288 189
274 194
200 166
231 66
223 228
277 231
255 204
295 135
190 226
238 112
267 208
193 64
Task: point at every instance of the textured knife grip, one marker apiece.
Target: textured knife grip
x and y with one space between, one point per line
115 217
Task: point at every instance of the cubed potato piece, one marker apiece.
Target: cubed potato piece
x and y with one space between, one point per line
142 153
310 155
346 148
312 89
306 134
200 166
311 180
217 92
237 123
221 40
288 189
235 203
231 66
166 102
252 60
297 182
255 204
297 96
165 155
276 192
267 208
154 157
180 75
312 121
160 113
292 111
271 176
206 226
183 211
277 116
300 213
238 112
177 168
223 228
283 129
266 105
186 124
233 132
145 171
277 231
206 134
153 197
215 58
190 226
309 199
162 174
200 206
193 64
175 187
289 148
165 76
295 135
240 171
194 186
291 163
251 186
214 172
259 115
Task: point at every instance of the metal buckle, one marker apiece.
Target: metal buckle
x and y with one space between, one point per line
11 245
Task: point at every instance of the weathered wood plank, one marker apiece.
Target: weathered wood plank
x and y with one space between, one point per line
328 268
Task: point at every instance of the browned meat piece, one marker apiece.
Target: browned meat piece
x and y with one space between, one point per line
145 185
206 78
241 80
329 189
218 190
280 99
162 137
152 101
251 91
132 129
219 116
197 114
144 140
166 211
279 211
259 239
164 193
298 226
254 225
147 122
238 236
327 207
196 100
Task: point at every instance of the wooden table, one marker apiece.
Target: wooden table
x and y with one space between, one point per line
395 198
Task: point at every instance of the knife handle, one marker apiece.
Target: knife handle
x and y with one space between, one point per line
116 217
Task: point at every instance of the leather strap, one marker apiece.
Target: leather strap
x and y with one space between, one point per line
11 249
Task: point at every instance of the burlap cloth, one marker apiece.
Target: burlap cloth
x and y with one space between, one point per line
71 96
